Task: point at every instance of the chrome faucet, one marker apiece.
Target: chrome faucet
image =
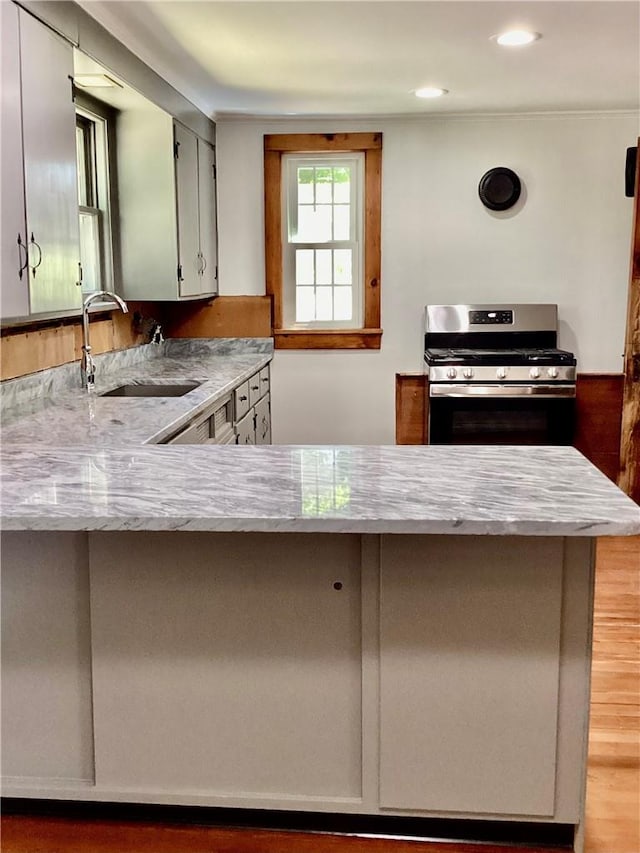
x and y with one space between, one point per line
87 365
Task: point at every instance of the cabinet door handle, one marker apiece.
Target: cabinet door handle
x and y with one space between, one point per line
255 387
204 263
265 379
80 275
33 243
23 266
243 398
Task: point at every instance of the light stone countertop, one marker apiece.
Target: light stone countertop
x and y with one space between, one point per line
533 491
79 418
76 461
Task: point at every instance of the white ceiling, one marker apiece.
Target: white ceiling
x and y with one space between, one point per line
361 58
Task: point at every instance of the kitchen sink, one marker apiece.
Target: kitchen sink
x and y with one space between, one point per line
134 389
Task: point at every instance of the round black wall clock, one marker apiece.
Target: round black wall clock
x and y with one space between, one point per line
499 188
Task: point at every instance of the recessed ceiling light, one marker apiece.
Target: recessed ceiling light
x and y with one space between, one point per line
430 92
517 38
96 81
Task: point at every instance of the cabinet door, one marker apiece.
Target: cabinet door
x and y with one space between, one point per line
14 297
47 724
246 429
208 221
228 664
49 141
263 421
469 671
187 198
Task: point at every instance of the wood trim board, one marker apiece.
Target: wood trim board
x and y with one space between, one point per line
629 479
598 415
222 317
275 145
39 346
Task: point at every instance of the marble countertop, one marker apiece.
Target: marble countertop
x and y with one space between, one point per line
533 491
76 417
71 460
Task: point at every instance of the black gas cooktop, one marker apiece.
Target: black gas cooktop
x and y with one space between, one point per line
507 356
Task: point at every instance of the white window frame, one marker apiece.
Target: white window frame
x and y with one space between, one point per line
290 243
101 211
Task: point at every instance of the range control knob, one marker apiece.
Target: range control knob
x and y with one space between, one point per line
501 372
452 373
552 372
468 373
534 373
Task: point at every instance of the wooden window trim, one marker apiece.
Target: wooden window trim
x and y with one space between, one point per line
275 145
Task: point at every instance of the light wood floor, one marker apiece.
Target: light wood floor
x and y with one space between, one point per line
613 786
613 790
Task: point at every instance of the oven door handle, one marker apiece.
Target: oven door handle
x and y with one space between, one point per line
437 389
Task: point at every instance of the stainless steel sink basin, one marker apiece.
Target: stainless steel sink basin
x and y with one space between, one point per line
177 389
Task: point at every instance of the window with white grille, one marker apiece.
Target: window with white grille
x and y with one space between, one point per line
322 240
94 125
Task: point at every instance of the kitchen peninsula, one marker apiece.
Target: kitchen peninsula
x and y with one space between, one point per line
399 631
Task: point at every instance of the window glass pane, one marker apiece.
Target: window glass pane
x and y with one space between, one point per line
305 305
341 185
342 303
324 181
81 156
90 251
305 185
323 266
304 266
341 224
342 266
314 224
324 307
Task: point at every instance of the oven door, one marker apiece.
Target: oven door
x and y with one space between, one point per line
501 414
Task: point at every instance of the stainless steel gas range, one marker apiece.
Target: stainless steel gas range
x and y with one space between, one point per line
496 375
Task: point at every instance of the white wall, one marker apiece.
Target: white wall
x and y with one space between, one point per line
567 241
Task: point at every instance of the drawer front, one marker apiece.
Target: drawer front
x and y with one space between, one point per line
246 430
263 421
255 389
241 400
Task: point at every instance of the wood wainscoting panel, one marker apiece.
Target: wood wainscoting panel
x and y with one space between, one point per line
599 418
40 345
411 408
36 349
598 415
222 317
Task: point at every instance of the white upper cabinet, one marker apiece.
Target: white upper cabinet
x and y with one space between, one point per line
40 241
207 216
166 188
189 265
195 188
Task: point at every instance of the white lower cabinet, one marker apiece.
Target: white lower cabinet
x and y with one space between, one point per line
469 675
246 429
47 727
252 402
263 421
242 418
441 676
227 664
213 426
